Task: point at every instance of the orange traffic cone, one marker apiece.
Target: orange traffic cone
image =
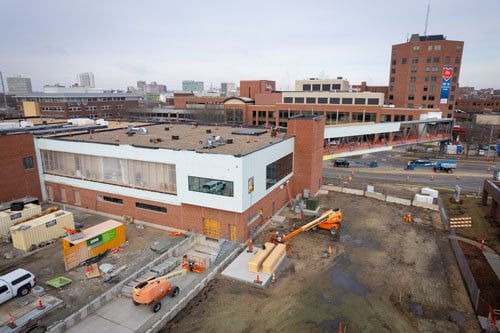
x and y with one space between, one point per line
273 278
40 304
257 279
250 247
117 139
11 321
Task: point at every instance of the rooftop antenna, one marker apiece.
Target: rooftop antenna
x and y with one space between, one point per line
427 18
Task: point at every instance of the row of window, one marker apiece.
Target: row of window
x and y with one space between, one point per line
159 177
428 60
72 100
78 108
331 100
140 205
321 87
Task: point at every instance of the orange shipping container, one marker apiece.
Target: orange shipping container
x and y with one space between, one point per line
97 240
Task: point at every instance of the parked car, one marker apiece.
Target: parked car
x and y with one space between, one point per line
213 186
340 162
16 283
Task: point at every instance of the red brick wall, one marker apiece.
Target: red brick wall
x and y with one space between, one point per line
308 152
250 88
267 98
181 217
15 181
126 105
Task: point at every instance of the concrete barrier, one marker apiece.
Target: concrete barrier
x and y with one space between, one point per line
331 188
353 191
375 195
396 200
420 204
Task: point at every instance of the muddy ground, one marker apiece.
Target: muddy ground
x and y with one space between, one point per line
47 263
386 276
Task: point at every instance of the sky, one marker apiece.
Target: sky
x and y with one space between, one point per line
216 41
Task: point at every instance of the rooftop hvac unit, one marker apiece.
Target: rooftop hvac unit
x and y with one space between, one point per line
175 137
208 131
214 142
229 141
167 128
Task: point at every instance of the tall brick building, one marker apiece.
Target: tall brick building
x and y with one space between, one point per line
18 168
424 73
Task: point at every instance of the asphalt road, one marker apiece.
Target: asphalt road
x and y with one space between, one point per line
469 175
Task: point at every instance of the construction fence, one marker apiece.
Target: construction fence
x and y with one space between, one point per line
471 284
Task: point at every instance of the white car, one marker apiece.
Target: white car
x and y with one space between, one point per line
16 283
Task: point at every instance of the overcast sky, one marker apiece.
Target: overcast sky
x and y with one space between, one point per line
50 41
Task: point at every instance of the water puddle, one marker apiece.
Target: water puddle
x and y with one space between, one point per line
343 280
332 325
458 318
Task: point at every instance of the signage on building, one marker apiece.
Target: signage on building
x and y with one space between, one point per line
101 239
445 84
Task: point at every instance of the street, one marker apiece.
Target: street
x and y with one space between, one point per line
469 175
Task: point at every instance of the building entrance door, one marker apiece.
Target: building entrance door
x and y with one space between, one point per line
211 228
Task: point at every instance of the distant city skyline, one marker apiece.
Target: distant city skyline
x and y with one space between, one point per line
284 41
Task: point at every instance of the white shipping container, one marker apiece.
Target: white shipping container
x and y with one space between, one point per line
10 217
431 192
451 149
41 229
423 198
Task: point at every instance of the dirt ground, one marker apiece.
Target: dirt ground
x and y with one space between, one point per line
388 276
47 263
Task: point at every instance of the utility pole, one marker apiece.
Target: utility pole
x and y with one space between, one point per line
3 90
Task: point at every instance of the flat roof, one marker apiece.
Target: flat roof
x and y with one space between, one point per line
73 95
186 137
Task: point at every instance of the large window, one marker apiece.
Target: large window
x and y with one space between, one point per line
152 176
278 170
311 100
346 100
372 101
299 100
150 207
211 186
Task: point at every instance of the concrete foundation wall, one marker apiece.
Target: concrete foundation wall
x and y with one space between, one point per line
116 290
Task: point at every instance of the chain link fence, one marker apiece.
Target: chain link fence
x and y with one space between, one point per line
471 284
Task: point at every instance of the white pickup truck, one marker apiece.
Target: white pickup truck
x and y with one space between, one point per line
16 283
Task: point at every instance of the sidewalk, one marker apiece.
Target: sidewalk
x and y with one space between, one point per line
491 256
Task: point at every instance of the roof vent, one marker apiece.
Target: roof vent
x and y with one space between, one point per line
229 141
208 131
213 142
167 128
175 137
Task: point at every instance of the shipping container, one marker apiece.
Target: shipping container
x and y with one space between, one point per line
96 240
41 229
9 217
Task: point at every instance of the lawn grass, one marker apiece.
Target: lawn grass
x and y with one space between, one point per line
482 225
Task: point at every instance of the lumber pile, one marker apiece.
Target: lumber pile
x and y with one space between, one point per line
255 263
269 265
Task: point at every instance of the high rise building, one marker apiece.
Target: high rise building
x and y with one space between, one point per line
228 89
193 86
424 73
19 85
86 80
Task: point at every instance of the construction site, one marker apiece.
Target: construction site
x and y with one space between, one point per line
353 262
